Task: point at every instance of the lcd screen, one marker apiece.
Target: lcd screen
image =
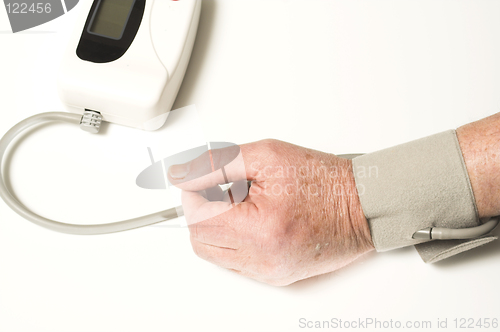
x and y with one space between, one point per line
111 18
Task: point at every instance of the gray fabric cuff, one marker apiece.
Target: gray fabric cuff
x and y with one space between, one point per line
416 185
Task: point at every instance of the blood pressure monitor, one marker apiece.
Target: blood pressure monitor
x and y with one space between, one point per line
124 64
126 59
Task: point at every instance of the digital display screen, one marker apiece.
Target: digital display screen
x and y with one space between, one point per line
111 18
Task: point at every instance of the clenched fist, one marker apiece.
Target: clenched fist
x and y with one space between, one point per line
301 217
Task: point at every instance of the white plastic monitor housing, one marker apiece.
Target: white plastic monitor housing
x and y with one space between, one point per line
139 88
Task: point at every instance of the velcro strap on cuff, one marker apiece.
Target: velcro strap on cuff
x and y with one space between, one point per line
434 251
413 186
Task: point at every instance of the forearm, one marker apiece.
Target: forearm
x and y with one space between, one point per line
480 145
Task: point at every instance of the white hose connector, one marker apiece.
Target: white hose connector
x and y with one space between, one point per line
91 121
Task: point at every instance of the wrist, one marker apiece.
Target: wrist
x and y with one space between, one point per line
480 143
357 218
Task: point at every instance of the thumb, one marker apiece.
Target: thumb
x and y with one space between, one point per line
214 167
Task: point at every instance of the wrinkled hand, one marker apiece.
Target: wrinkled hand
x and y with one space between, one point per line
301 218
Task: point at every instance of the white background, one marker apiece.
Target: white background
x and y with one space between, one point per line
337 76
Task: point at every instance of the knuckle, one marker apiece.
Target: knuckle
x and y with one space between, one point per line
271 144
273 270
279 282
271 147
270 141
194 231
196 248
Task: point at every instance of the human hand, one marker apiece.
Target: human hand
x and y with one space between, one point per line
301 218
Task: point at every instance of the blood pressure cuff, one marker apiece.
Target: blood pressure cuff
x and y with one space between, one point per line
417 185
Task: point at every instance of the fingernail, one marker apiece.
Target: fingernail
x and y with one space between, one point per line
179 171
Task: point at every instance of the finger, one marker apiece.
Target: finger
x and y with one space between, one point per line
223 257
236 193
214 167
197 208
204 227
216 223
215 235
